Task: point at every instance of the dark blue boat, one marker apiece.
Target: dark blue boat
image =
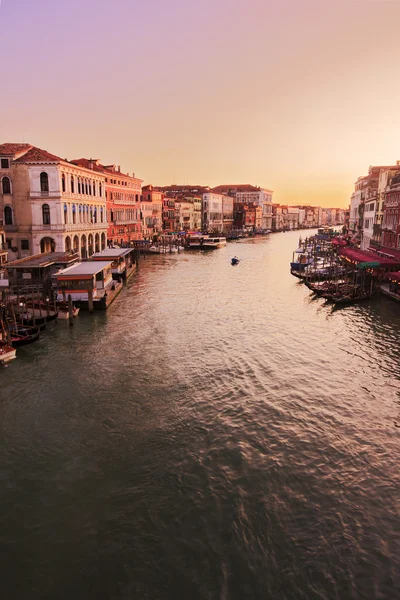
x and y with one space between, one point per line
234 261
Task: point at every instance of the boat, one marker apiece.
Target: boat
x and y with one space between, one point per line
154 250
234 261
213 243
63 312
7 353
301 262
21 336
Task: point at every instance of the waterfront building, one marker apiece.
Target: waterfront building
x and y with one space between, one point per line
390 228
247 216
250 194
184 214
90 284
36 272
3 245
385 178
227 214
66 208
123 261
213 212
123 200
169 214
152 211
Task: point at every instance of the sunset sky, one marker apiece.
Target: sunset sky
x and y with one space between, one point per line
299 96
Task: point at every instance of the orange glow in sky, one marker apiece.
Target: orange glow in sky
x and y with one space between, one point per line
299 96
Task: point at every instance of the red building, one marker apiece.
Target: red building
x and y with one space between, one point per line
123 201
390 229
247 217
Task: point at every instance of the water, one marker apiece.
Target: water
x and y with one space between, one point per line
217 434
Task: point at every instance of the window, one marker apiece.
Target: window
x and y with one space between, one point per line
46 214
44 182
63 182
6 184
5 163
24 244
8 215
100 190
72 185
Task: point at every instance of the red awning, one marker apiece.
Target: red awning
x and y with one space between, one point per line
357 256
395 276
339 241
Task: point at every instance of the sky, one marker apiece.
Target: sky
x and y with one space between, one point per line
298 96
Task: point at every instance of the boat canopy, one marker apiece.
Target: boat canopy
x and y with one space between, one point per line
395 276
369 265
358 256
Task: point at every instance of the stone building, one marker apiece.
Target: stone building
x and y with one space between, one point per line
50 204
123 200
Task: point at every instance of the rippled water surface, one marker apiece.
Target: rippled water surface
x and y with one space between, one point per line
217 434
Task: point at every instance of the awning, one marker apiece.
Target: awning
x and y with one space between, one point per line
395 276
358 256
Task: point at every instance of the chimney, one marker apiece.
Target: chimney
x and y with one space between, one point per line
119 168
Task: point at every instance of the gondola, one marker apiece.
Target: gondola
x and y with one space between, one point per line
21 336
234 261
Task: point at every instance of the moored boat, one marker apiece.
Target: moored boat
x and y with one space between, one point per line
7 353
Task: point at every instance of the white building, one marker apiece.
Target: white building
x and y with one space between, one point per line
213 212
370 207
66 208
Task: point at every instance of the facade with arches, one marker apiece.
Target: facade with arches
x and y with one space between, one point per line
124 202
50 204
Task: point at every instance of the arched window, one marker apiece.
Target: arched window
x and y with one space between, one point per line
100 190
63 182
44 182
6 182
94 188
79 186
72 185
46 214
65 214
87 187
8 215
74 213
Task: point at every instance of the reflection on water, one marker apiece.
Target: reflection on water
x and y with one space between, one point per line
218 434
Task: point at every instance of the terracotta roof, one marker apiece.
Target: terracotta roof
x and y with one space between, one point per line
91 164
12 149
37 155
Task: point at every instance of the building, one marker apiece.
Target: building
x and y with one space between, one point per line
123 200
227 214
152 211
90 284
184 214
390 228
3 245
213 212
50 204
250 194
247 216
169 214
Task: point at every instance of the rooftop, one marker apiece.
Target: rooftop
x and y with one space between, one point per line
42 260
83 269
112 252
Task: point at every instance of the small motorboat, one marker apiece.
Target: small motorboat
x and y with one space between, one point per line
7 353
234 260
63 311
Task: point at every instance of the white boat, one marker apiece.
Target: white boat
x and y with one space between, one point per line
154 250
63 312
7 353
214 242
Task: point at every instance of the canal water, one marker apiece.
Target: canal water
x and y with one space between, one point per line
217 434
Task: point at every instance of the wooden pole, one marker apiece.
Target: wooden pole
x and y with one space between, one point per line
33 310
40 301
90 298
70 311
